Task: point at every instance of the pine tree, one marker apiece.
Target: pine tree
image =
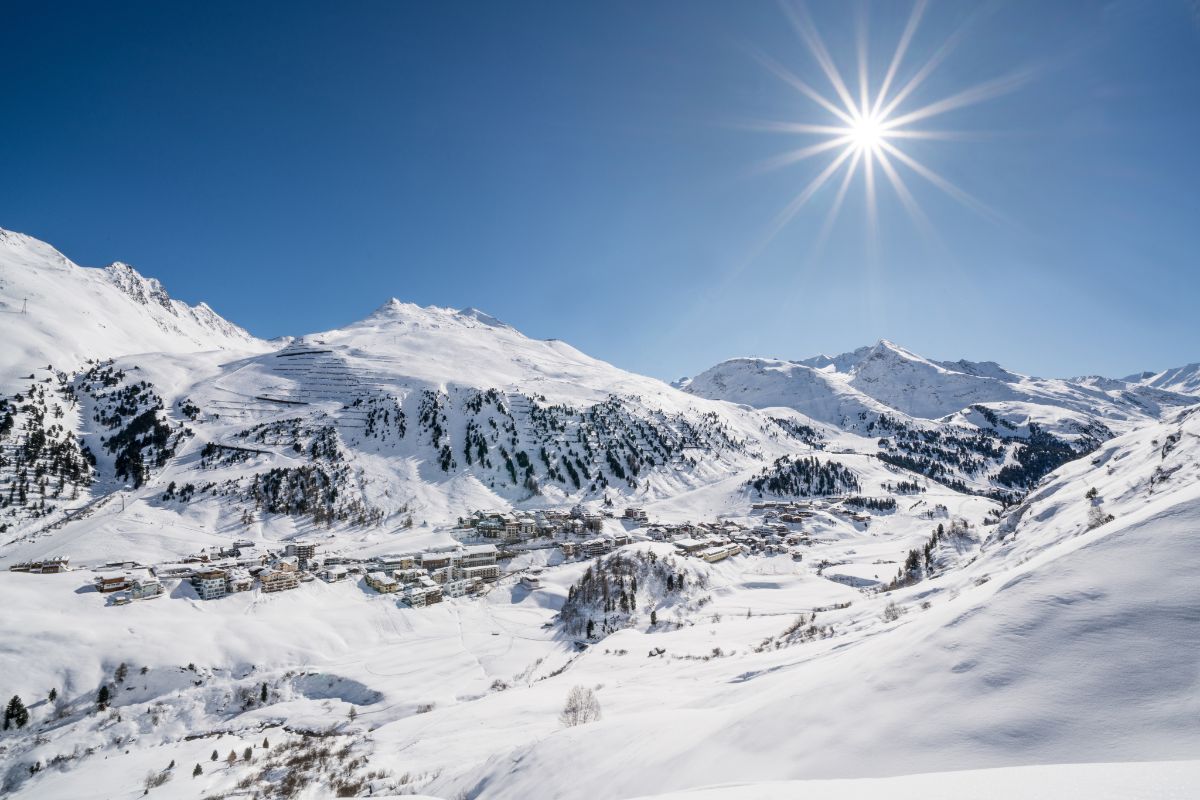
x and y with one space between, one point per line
262 695
15 713
197 771
121 672
591 628
653 618
231 759
53 695
247 754
266 744
102 698
214 756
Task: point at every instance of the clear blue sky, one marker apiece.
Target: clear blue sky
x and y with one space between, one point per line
582 171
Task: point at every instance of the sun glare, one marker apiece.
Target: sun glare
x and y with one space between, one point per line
867 133
863 133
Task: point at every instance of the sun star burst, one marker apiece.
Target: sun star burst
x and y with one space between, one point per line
865 134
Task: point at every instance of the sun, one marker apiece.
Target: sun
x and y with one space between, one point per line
864 128
867 133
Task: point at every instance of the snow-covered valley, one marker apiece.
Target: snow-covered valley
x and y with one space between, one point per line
831 577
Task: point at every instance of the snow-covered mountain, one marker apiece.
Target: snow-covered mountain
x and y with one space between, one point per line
925 566
1183 380
410 415
886 378
55 312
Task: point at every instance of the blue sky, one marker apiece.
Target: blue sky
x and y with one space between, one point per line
585 172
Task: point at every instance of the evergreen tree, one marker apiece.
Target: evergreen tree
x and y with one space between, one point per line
15 713
591 628
266 744
197 771
262 695
121 672
53 695
231 759
214 756
247 754
102 698
653 618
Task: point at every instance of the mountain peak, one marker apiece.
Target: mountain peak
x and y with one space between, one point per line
142 289
399 312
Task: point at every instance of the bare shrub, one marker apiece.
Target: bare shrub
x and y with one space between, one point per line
581 707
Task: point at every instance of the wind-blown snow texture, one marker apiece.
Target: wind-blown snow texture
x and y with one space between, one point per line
993 591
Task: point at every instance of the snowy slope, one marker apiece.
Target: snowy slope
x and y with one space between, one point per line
76 313
1059 643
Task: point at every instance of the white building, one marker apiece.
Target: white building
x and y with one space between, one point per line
210 584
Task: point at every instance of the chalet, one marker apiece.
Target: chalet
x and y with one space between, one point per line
442 574
395 561
593 522
484 572
145 589
692 546
595 547
421 596
303 552
545 523
636 514
382 582
238 580
210 584
568 549
45 567
432 561
287 564
408 575
278 580
491 528
334 574
473 561
253 560
720 552
512 529
477 555
174 571
461 587
113 583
